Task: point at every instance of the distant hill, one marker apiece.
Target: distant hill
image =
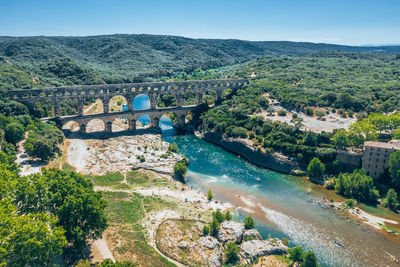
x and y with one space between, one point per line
125 58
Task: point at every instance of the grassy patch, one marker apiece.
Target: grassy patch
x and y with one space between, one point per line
389 229
126 234
67 167
137 178
107 180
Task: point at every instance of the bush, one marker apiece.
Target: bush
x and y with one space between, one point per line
282 113
296 254
214 227
206 230
319 114
180 170
173 148
349 203
210 195
309 111
231 253
228 216
309 259
249 223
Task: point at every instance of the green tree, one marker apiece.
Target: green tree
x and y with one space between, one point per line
210 195
28 239
310 139
218 216
228 215
214 227
309 259
231 253
316 169
80 210
249 222
391 199
180 170
296 254
394 168
14 132
340 138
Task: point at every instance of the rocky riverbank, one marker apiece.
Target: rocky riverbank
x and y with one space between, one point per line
276 162
184 241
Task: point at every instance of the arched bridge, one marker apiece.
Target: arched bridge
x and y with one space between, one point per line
105 92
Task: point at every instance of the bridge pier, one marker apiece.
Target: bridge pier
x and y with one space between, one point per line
109 127
82 128
56 109
132 125
199 98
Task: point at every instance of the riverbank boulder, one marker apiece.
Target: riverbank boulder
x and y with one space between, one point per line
250 250
251 234
231 231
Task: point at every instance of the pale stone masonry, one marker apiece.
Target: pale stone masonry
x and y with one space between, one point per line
376 156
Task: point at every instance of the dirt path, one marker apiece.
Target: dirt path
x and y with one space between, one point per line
28 166
101 251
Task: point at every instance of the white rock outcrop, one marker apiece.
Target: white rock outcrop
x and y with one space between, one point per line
257 248
230 231
253 233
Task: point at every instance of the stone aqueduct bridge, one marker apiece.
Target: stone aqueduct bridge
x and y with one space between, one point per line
128 90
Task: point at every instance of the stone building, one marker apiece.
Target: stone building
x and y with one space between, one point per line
376 156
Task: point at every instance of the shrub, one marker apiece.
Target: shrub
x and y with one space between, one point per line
282 113
296 254
231 253
319 114
210 195
309 259
173 148
214 227
349 203
309 111
206 230
228 216
180 170
249 223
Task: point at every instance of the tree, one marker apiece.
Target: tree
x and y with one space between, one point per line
80 210
228 216
210 195
309 111
296 254
180 170
214 227
28 239
14 132
218 216
41 149
391 199
319 114
249 222
310 139
309 259
394 168
231 253
316 169
340 138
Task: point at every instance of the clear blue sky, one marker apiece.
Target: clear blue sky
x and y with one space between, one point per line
354 22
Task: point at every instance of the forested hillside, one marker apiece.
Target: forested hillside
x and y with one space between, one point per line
127 58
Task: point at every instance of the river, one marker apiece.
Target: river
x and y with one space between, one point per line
280 205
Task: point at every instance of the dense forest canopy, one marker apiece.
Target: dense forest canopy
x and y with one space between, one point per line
126 58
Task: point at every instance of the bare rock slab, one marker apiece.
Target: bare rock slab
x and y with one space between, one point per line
231 231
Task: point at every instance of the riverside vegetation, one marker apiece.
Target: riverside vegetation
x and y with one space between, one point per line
44 213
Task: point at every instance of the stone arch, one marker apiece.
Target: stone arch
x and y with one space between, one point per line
141 102
95 125
210 96
144 121
92 105
71 126
120 124
118 103
167 99
190 97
